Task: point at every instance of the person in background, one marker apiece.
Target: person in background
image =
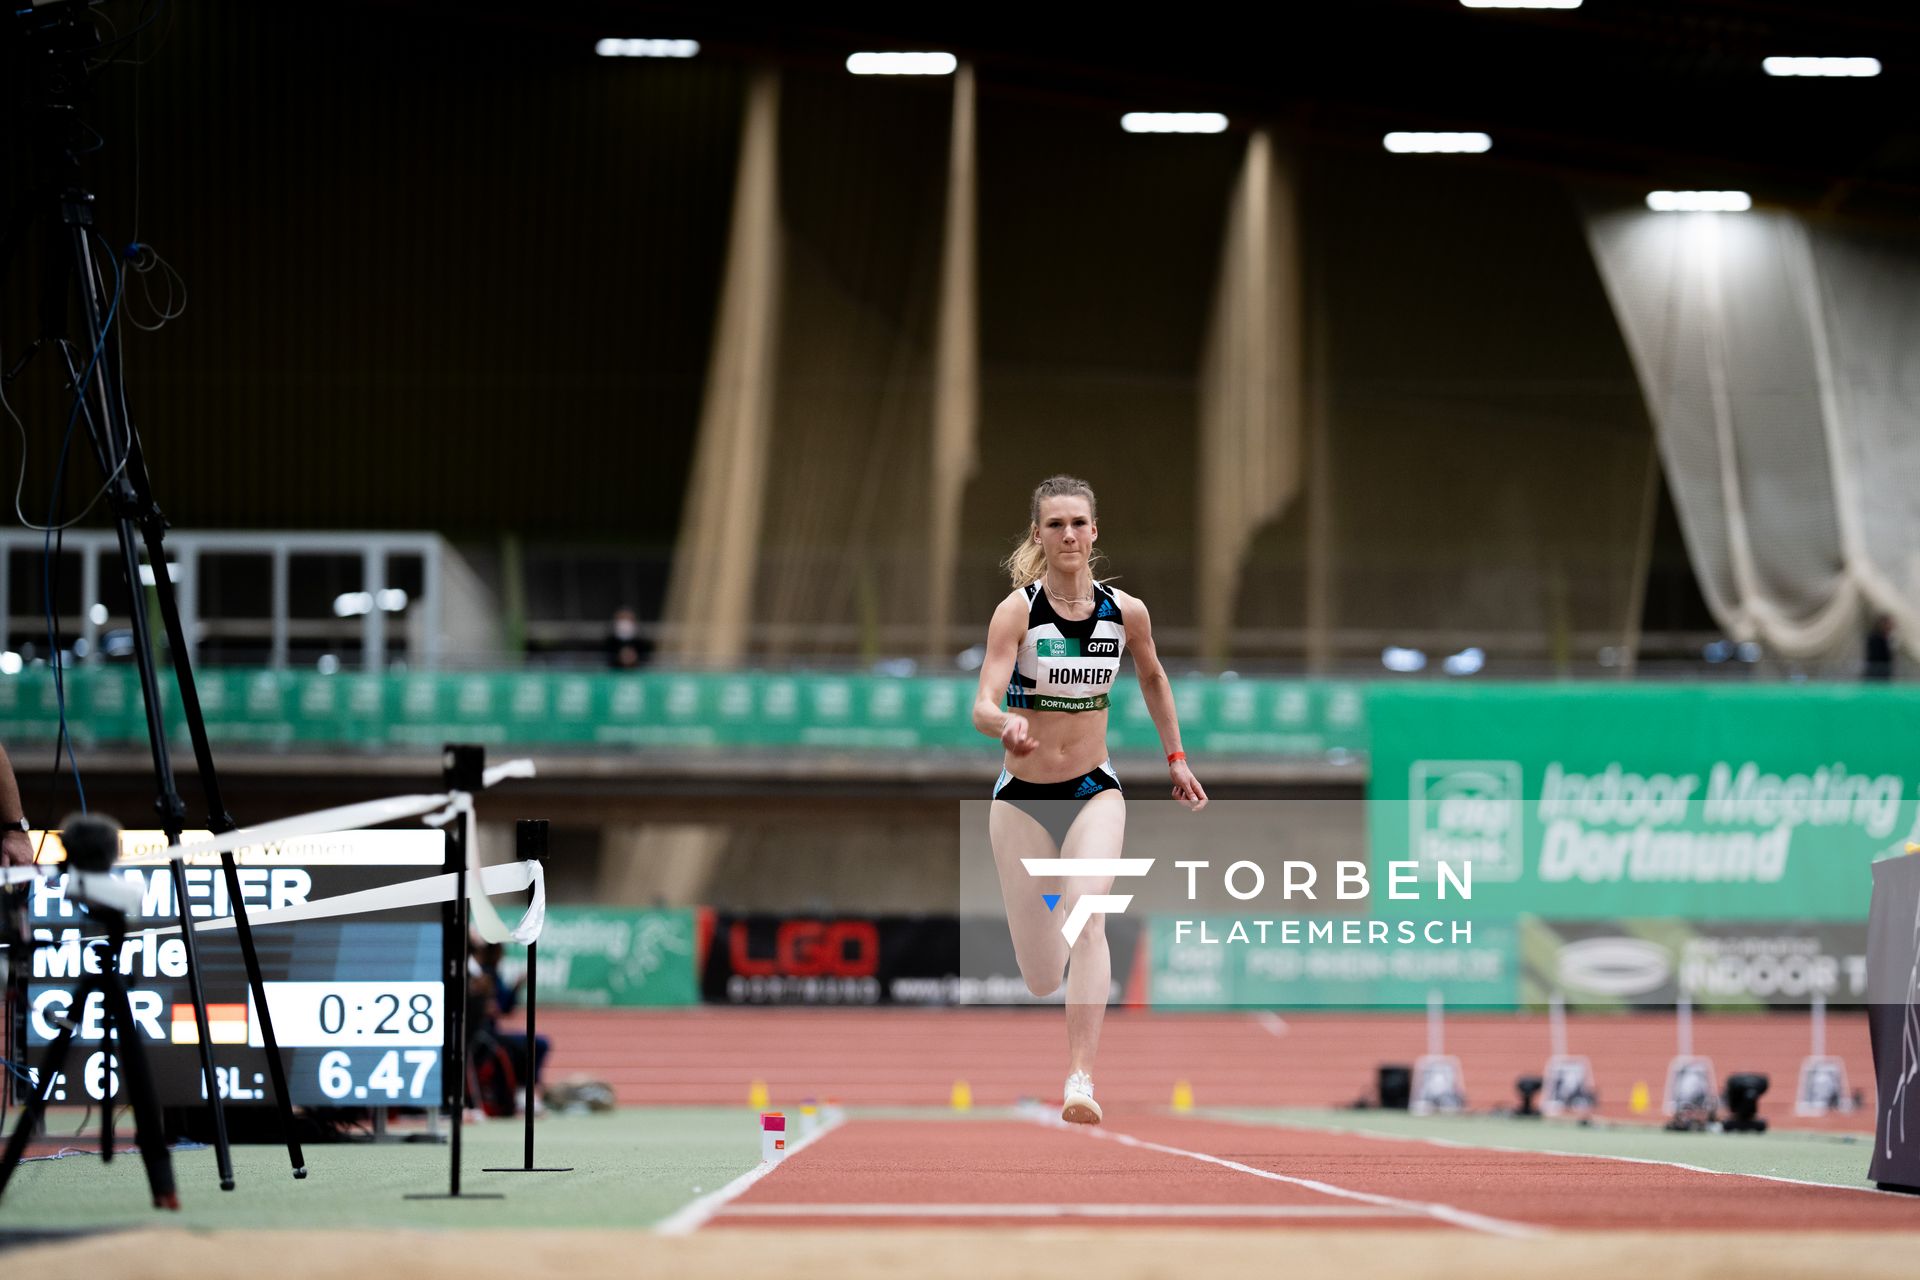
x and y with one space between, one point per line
15 849
626 649
490 997
1879 665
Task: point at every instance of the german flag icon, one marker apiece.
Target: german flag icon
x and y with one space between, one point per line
226 1022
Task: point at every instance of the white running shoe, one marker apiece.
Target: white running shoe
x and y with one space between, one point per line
1079 1107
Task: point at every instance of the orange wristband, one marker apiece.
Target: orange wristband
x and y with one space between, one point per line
1177 755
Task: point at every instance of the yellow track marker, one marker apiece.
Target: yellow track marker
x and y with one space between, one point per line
757 1095
1639 1100
1182 1096
962 1096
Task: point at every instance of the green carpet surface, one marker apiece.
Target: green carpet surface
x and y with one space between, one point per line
630 1169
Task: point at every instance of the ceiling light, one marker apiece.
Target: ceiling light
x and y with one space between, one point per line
616 48
1821 66
1699 201
1173 122
902 64
1460 143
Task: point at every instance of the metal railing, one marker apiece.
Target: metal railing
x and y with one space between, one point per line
190 555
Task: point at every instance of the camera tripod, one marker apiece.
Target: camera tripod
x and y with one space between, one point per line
61 207
122 1053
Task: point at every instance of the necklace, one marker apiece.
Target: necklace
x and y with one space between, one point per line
1057 598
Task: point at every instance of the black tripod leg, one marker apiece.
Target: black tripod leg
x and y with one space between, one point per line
276 1069
209 1074
153 532
218 820
108 1048
52 1063
148 1132
170 809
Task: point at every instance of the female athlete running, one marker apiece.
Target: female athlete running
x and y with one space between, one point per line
1054 649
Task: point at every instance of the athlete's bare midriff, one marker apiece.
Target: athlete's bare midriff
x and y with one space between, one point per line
1067 744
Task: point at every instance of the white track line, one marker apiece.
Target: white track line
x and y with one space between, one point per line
1274 1023
1422 1208
1459 1144
691 1217
1061 1211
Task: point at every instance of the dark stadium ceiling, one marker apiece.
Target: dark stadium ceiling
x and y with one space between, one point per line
1648 93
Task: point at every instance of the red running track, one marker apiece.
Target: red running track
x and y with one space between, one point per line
912 1057
997 1173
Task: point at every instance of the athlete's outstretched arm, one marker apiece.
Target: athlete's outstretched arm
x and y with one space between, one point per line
1158 691
1003 648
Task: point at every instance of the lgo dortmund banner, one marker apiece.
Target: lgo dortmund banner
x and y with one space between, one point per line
1582 803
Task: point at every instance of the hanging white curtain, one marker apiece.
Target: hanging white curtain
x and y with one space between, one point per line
710 597
1777 364
956 368
1251 370
1869 351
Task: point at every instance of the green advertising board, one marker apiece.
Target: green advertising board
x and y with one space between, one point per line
657 709
1727 964
598 957
1580 802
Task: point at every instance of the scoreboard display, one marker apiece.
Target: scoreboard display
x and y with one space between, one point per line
358 1001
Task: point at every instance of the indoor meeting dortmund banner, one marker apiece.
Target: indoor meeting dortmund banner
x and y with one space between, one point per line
1583 802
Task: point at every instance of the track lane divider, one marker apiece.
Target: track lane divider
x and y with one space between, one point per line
993 1211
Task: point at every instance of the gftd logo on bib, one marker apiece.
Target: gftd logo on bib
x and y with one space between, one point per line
1462 811
1087 904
